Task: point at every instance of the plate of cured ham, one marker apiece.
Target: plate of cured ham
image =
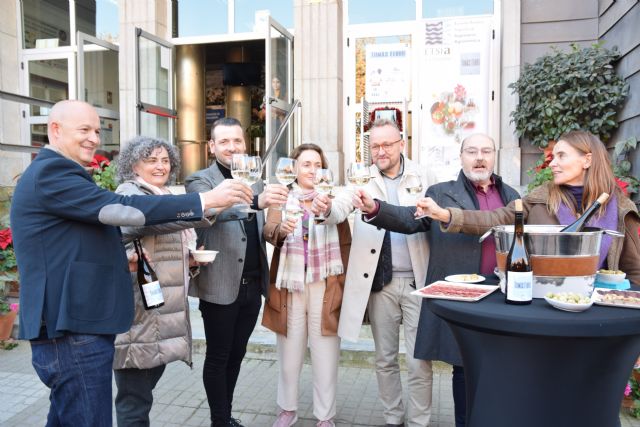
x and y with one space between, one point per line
617 298
455 291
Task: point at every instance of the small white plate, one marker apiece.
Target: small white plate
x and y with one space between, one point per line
203 255
465 278
568 306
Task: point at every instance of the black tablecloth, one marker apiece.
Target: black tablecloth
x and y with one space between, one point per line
539 318
537 366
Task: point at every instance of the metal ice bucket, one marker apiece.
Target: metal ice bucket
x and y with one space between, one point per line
561 262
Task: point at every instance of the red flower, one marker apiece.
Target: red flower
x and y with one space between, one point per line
99 162
5 238
460 92
623 186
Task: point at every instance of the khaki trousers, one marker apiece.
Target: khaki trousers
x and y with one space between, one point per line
387 309
303 326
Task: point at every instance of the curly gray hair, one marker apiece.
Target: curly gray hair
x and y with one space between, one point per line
141 147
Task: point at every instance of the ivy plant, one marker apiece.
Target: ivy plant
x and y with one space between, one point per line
564 91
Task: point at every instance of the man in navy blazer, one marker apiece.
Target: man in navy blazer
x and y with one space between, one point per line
75 287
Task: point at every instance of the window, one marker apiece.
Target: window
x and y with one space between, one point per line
46 23
48 80
98 18
444 8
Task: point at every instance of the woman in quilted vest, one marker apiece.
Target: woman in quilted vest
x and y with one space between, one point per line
305 291
161 335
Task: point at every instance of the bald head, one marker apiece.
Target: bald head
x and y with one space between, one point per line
74 128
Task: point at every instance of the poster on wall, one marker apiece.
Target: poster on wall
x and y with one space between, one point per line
454 88
214 96
388 72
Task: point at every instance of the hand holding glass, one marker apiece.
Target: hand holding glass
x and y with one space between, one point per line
293 209
247 170
285 172
358 175
323 184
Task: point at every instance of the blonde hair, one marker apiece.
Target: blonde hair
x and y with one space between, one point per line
598 179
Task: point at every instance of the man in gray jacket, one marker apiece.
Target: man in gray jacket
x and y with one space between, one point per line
231 288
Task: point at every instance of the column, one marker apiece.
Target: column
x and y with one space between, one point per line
318 48
191 138
510 153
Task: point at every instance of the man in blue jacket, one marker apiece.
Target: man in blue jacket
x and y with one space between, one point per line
75 288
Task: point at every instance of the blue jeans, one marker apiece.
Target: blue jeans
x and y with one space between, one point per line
77 369
135 394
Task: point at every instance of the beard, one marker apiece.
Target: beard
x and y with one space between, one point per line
478 176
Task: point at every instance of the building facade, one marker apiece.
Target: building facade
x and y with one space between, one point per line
168 68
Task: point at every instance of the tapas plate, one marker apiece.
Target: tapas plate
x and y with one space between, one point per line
455 291
465 278
568 306
617 298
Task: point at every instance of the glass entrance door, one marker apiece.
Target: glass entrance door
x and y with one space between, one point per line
155 59
278 90
98 84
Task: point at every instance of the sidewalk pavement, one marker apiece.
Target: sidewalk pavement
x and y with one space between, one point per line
180 399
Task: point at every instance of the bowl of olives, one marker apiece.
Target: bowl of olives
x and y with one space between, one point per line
569 301
610 276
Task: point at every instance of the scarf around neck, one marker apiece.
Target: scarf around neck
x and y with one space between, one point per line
323 254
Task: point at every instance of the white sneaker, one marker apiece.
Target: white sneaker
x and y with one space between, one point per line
286 419
326 423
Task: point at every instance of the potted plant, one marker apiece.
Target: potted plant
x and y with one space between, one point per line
8 312
631 397
564 91
104 172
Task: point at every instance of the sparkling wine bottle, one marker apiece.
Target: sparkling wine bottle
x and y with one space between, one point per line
519 288
148 281
579 223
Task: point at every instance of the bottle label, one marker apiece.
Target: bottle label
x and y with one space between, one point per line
520 285
153 293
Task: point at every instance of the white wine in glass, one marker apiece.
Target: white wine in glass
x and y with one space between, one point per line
323 184
286 171
255 173
293 209
240 170
412 183
358 175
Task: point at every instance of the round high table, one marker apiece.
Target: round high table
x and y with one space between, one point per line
537 366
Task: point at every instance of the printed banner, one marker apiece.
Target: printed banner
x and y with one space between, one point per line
388 72
454 89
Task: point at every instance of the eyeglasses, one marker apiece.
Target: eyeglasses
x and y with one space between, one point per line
473 152
386 145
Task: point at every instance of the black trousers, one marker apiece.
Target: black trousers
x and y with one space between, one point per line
227 329
459 396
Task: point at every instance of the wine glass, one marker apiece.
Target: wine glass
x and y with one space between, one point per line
240 171
323 184
254 164
358 175
293 209
285 173
413 185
